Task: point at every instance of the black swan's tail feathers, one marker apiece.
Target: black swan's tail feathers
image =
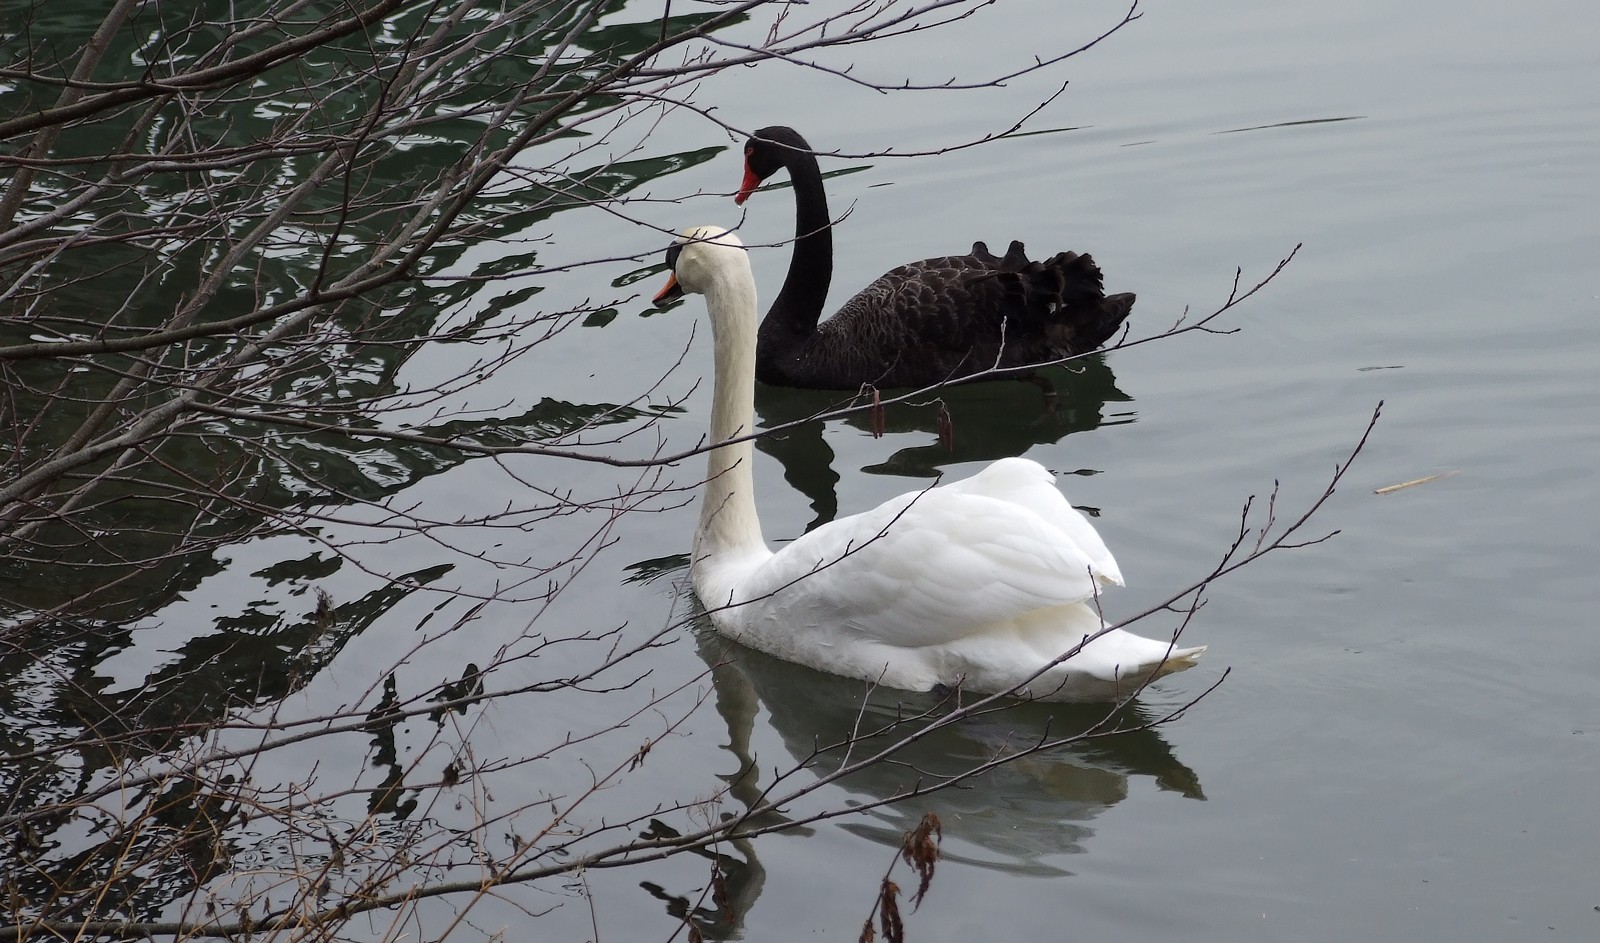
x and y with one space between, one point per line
1062 297
1092 325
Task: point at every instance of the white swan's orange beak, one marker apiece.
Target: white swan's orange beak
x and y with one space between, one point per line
670 290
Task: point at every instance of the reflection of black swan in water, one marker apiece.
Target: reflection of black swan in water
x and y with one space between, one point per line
983 583
923 323
986 421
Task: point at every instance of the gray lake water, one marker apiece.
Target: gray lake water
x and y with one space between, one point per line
1407 744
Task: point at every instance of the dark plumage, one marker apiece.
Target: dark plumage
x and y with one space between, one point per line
923 323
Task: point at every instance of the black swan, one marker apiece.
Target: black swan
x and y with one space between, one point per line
925 323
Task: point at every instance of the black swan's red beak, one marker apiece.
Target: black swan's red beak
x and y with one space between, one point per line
751 181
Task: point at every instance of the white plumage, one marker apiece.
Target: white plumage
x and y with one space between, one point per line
979 583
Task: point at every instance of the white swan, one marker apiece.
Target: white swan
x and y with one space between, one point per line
980 583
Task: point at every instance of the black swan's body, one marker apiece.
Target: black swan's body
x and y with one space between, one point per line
923 323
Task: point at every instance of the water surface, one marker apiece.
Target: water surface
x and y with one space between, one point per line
1408 740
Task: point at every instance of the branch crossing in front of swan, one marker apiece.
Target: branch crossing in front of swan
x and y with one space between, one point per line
991 582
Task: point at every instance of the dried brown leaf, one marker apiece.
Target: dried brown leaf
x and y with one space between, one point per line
921 851
894 929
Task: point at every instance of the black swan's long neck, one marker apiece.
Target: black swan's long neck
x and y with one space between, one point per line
798 305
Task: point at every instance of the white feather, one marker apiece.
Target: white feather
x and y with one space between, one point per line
979 583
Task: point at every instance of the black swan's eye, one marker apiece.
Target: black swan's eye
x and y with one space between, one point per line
672 255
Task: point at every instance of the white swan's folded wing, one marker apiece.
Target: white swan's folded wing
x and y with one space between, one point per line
925 568
1028 484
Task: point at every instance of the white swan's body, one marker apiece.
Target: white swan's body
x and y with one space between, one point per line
977 584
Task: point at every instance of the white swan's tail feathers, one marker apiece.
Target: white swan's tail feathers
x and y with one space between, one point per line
1100 680
1146 665
1177 660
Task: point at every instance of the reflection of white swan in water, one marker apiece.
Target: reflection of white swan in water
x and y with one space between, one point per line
983 583
1012 818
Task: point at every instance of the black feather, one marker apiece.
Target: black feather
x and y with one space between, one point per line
927 322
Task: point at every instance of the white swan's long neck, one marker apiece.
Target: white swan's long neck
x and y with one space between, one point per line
728 522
